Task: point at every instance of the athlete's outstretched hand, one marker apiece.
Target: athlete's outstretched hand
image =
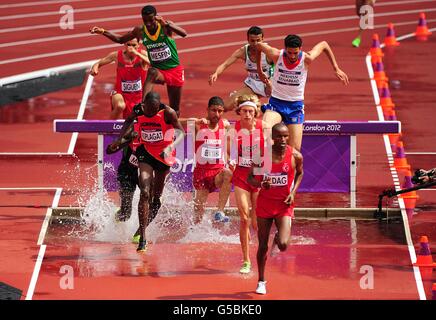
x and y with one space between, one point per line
341 75
212 78
96 30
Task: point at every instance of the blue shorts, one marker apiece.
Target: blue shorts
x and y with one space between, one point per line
292 112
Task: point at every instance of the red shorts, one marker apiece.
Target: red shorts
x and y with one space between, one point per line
174 77
205 178
130 101
239 179
270 209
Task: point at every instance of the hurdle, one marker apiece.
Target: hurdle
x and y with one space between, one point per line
336 171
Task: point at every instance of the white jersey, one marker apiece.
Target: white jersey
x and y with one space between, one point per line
253 81
289 84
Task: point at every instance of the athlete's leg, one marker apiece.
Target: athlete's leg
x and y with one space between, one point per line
230 102
295 135
157 190
223 181
145 180
174 97
199 201
271 117
283 235
118 106
253 218
153 76
264 228
243 202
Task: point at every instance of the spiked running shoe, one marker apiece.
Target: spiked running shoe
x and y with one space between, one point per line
261 287
356 42
136 238
142 247
246 267
221 217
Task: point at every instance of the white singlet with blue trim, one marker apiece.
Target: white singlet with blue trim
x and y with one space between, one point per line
289 84
253 81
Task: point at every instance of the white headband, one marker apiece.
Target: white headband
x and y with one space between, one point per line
248 103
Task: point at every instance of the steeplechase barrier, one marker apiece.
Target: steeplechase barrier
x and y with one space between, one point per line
329 149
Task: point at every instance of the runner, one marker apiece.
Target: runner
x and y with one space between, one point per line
157 37
276 197
248 54
132 64
160 131
210 172
250 147
288 83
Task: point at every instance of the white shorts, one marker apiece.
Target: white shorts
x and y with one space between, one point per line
257 86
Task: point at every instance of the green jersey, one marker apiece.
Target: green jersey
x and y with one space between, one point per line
161 49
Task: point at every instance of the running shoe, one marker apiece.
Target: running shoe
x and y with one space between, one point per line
356 42
261 287
136 238
246 267
221 217
142 247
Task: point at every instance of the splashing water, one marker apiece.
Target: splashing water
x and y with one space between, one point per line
173 223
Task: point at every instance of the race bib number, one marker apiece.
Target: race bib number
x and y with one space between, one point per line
133 160
211 152
161 54
131 86
278 180
245 162
151 136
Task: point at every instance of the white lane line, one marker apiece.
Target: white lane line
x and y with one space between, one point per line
35 273
164 13
411 248
36 3
420 153
192 22
47 218
222 45
42 233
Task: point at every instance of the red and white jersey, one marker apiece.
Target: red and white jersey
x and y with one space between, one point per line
282 176
289 80
130 78
210 147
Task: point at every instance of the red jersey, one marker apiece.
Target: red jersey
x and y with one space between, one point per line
282 176
130 78
156 135
210 147
270 202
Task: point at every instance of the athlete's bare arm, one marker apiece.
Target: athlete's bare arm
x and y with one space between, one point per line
171 27
272 54
111 57
171 118
298 159
143 55
136 32
323 46
238 54
125 134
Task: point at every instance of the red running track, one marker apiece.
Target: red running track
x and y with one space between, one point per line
164 276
